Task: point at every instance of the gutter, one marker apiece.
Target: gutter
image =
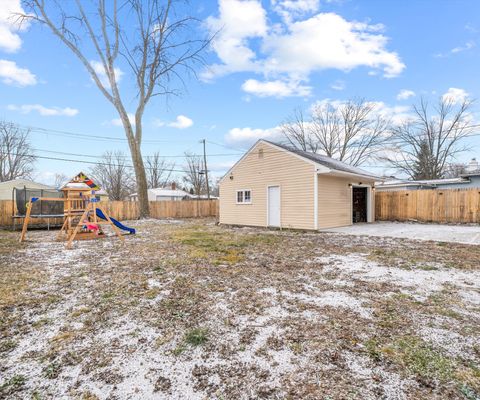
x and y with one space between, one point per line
350 174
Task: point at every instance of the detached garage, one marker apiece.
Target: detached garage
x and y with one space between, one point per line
274 185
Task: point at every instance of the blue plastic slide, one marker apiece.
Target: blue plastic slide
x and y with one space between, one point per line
118 224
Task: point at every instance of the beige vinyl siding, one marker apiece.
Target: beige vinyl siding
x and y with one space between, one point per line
276 168
334 202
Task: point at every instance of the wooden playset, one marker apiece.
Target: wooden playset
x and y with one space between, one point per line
83 214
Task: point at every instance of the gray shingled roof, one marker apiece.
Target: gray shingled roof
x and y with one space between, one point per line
325 161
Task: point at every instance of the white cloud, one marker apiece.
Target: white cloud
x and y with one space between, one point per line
100 71
405 94
291 50
290 9
328 41
455 95
238 22
181 122
338 85
9 25
118 121
469 45
276 88
44 111
397 114
247 136
471 28
459 49
11 74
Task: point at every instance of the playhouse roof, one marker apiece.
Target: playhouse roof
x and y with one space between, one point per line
81 181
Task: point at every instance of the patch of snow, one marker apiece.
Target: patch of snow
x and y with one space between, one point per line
421 281
451 342
332 299
391 385
323 298
152 283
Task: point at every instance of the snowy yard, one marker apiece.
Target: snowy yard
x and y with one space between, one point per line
190 310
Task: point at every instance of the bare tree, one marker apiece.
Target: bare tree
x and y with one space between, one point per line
159 171
216 188
114 175
60 179
351 131
193 173
454 170
16 154
427 142
150 36
298 132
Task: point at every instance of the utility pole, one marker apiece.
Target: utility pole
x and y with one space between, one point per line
205 167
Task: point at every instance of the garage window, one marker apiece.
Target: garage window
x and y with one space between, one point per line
244 196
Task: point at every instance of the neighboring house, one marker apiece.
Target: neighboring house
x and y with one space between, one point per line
203 197
164 194
275 185
469 180
6 188
466 181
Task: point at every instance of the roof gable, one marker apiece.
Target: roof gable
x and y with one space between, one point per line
81 178
271 144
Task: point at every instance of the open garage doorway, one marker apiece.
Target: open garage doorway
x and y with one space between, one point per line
359 204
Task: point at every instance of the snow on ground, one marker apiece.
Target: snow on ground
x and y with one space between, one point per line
441 233
419 282
289 319
323 298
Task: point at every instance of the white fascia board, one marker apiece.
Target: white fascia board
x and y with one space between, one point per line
335 172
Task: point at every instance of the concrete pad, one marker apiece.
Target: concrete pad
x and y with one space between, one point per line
417 231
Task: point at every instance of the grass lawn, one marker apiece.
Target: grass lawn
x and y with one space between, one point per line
191 310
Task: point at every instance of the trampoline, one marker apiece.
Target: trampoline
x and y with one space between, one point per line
41 210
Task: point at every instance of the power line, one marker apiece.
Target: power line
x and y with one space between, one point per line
226 147
127 156
90 162
85 136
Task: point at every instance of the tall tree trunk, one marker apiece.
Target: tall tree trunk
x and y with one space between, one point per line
134 142
142 187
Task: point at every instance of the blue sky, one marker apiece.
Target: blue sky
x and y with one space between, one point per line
269 58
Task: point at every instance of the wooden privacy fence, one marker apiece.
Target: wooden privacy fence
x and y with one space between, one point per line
444 206
163 209
124 210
